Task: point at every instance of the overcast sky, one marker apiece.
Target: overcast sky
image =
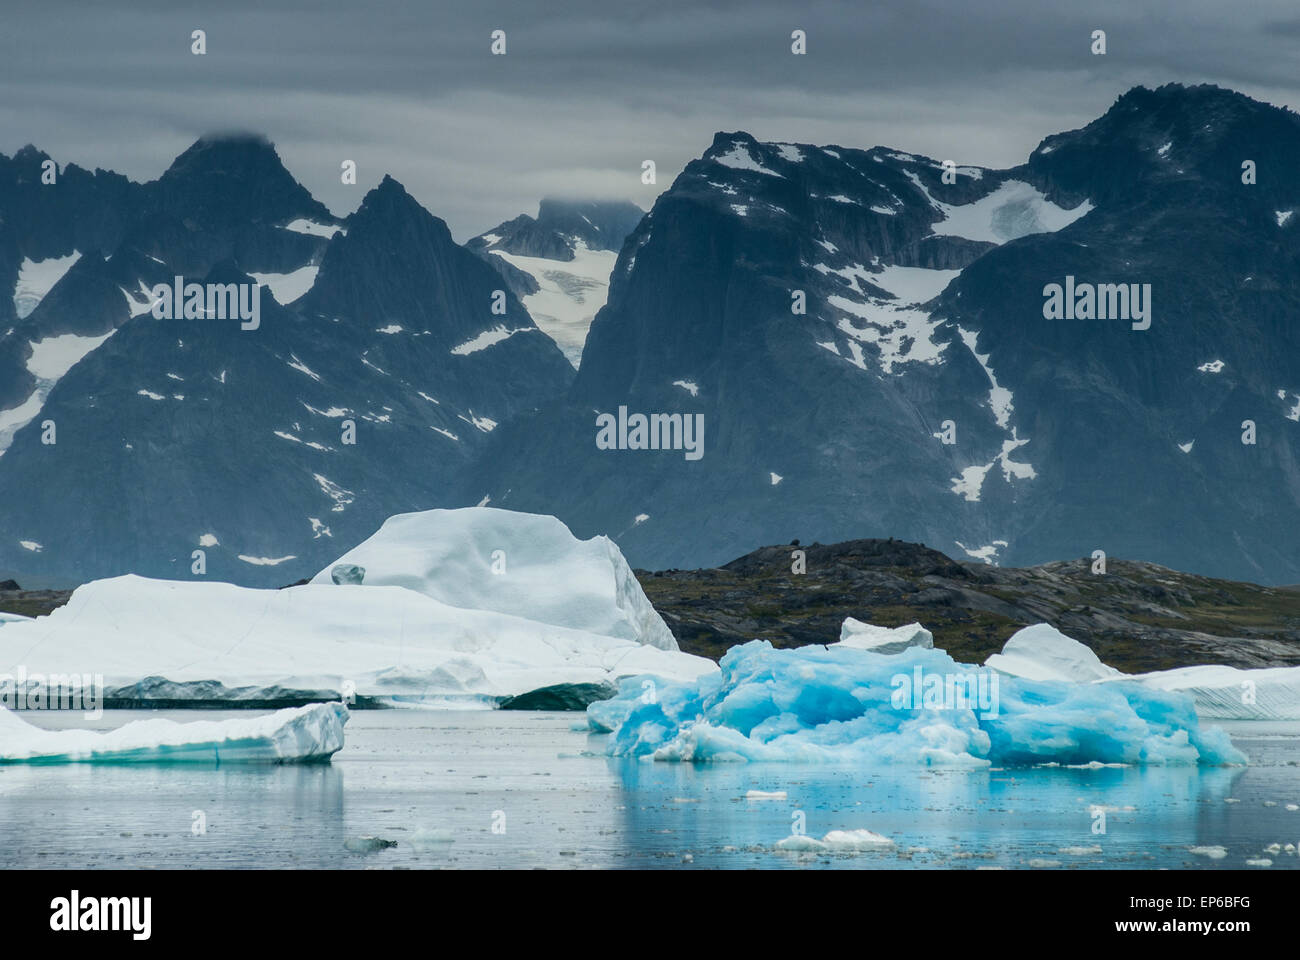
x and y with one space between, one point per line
588 90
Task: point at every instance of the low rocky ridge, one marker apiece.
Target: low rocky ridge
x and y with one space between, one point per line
1136 617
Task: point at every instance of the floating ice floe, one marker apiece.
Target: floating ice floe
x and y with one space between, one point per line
838 704
296 735
837 841
430 624
1041 652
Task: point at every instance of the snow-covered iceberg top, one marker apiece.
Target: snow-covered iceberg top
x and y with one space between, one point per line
867 636
837 704
469 607
299 735
523 564
184 640
1041 652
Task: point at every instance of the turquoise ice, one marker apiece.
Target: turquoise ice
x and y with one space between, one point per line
835 704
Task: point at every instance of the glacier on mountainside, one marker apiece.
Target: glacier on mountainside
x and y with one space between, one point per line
836 704
296 735
430 624
570 293
1223 693
524 564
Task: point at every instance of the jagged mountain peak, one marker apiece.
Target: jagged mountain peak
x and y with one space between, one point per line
227 179
29 153
388 206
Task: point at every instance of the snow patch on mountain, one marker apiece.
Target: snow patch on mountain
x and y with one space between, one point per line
36 278
739 158
1015 209
314 229
288 287
50 359
486 339
1000 399
970 483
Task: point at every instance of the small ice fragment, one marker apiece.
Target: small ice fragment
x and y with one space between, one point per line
855 840
800 843
1214 853
347 573
765 795
367 844
293 735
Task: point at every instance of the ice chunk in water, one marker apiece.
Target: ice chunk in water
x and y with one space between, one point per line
296 735
837 704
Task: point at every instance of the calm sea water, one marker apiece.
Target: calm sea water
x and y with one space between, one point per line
523 790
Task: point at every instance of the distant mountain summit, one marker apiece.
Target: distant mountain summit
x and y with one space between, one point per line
559 262
868 337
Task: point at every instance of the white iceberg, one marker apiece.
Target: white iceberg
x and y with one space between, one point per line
430 625
298 735
1230 693
164 639
523 564
868 636
1042 652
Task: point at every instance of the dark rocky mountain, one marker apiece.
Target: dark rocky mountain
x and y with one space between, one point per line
560 226
174 434
925 321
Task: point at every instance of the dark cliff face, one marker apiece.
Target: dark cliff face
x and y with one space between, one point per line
925 304
174 435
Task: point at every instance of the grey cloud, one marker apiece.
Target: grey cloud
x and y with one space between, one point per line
590 89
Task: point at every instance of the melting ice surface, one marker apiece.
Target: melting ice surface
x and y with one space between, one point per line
295 735
839 704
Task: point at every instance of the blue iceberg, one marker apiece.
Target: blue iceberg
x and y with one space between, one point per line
838 704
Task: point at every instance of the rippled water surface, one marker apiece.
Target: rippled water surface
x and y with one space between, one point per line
522 790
